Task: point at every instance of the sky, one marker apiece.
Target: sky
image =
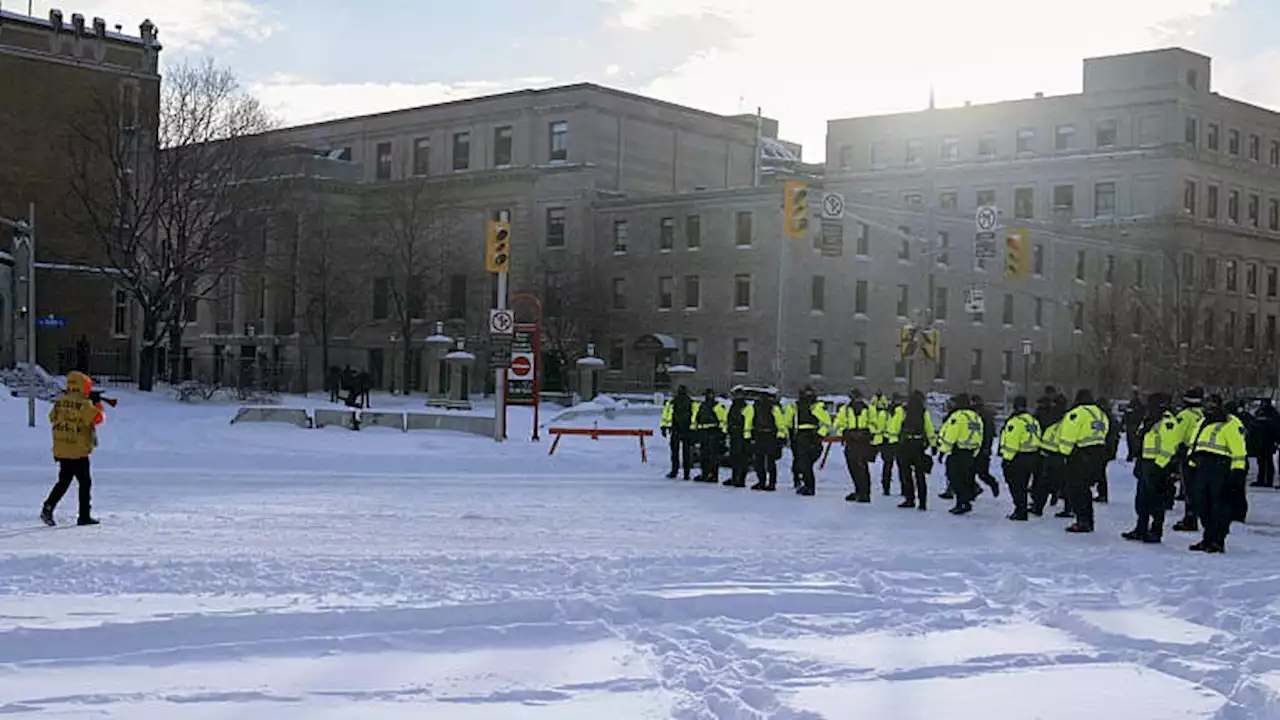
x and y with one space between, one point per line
802 63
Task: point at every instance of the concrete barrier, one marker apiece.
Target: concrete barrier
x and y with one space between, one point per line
325 417
290 416
378 418
471 424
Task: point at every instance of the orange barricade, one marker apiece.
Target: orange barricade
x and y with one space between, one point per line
829 441
597 433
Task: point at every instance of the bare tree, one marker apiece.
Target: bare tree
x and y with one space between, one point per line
572 300
1109 338
162 202
327 265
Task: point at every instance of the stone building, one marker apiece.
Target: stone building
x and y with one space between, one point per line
53 72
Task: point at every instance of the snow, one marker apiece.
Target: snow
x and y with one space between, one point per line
263 570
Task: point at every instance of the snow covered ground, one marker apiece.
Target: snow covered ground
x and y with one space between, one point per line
264 571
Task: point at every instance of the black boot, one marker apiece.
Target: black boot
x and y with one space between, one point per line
671 475
1018 516
907 504
1079 528
851 497
1187 525
46 516
87 521
1135 534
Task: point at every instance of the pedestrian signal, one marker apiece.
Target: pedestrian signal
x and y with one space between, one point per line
497 254
1017 254
795 206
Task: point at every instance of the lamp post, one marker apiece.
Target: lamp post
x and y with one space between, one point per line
394 339
24 236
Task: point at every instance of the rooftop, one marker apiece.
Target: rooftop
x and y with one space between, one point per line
146 37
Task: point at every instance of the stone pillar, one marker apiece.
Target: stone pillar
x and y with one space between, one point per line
460 362
438 345
589 369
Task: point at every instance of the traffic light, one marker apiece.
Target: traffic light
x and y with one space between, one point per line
497 252
795 205
930 343
1017 254
907 344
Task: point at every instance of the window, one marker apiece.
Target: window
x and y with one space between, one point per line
1039 308
1233 142
940 303
1064 198
422 156
913 151
876 154
860 297
818 294
859 359
693 231
689 352
1255 148
912 198
742 292
1212 139
904 250
617 356
1193 82
666 292
1233 206
742 228
975 365
1139 273
1211 273
1109 269
1271 333
815 357
1077 316
1210 328
120 312
1026 141
1229 329
381 298
457 296
383 170
666 234
741 356
1189 197
1024 203
620 234
949 200
1275 153
1192 131
1104 199
1037 260
555 227
1273 214
987 145
692 292
502 146
1252 209
1233 276
1211 202
983 198
904 300
1006 365
1064 137
950 149
944 248
1272 283
862 243
846 156
940 367
1081 264
619 293
558 147
1250 331
1006 312
461 150
1106 133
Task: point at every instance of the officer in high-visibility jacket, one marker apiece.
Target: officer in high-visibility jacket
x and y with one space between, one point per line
677 427
739 439
709 421
1019 454
960 440
855 422
887 441
1216 456
1084 437
1047 487
810 423
766 425
1160 439
913 426
1188 418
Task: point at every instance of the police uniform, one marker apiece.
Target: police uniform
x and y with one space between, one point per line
1019 454
677 426
856 422
766 425
739 442
1155 488
1217 457
960 439
1050 476
809 424
914 438
1084 438
1188 418
709 422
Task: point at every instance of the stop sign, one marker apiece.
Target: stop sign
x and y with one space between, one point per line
521 366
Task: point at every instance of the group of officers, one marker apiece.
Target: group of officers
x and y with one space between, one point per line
1056 451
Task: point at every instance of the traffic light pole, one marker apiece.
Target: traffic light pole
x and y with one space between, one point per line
500 376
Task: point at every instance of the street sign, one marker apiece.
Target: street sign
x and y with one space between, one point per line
50 322
984 246
832 206
974 302
832 238
1026 347
522 378
522 366
500 356
986 218
502 322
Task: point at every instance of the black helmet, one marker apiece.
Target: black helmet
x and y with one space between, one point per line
1195 397
1020 402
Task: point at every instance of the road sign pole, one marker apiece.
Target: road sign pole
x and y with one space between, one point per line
31 308
500 376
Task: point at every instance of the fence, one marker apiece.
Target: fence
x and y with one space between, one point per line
108 368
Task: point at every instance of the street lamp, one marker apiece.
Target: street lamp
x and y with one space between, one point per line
394 339
24 236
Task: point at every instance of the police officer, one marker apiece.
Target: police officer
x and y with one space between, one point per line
1188 418
960 440
983 461
888 440
809 424
739 440
1217 459
1159 433
913 426
1051 482
677 427
1084 437
766 425
855 422
708 426
1019 454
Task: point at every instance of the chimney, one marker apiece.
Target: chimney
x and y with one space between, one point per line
99 27
55 20
147 30
1039 96
77 21
119 28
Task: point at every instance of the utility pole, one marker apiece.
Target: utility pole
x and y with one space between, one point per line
24 234
498 262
